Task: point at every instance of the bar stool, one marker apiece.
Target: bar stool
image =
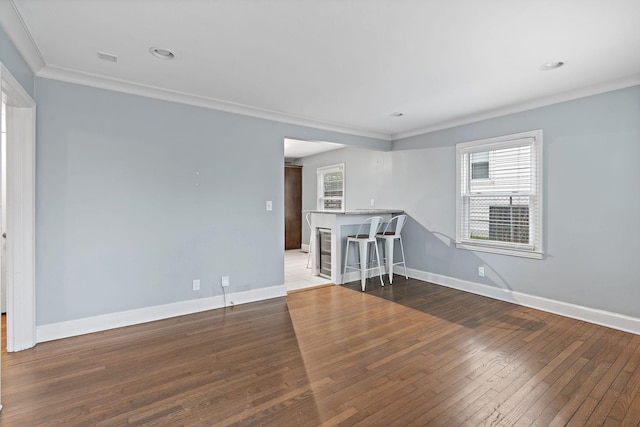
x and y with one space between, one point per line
311 238
390 237
363 238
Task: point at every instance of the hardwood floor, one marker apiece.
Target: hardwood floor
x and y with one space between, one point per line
408 354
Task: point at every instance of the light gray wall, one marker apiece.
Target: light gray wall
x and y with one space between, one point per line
591 203
368 175
121 223
12 59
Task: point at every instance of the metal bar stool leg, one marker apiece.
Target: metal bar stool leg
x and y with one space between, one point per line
404 263
389 254
379 265
346 261
364 249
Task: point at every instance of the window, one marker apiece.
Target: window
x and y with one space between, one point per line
499 195
331 188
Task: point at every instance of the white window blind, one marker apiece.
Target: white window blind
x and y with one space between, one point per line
499 195
331 188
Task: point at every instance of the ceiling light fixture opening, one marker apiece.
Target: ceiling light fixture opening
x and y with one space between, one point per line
551 66
396 114
162 53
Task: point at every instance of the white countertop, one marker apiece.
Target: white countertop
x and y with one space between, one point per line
358 212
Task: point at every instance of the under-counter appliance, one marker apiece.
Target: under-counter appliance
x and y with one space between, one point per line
324 254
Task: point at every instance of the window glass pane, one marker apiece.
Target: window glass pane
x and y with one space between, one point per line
510 171
333 184
480 170
480 157
480 165
332 204
499 219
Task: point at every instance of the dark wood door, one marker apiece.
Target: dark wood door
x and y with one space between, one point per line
292 207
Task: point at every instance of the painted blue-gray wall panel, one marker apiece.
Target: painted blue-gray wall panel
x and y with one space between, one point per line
15 63
121 220
591 203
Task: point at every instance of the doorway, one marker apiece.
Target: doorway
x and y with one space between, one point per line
296 266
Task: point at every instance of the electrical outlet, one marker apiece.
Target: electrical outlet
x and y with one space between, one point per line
373 202
224 281
196 285
269 205
481 271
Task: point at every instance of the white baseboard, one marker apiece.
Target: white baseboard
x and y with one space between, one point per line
87 325
304 248
70 328
599 317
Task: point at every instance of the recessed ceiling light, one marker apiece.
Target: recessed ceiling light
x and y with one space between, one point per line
162 53
551 65
396 114
107 56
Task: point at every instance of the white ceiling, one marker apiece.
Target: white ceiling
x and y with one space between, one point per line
339 64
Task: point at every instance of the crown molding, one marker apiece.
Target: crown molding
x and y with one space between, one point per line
102 82
518 108
16 93
16 29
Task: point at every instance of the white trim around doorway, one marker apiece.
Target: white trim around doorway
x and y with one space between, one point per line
20 176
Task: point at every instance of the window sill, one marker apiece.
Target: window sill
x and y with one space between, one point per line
501 251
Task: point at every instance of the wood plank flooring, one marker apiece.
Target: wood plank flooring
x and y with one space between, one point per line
408 354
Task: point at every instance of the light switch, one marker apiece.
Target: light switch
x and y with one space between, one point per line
269 205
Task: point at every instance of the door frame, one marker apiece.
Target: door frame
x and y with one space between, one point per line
20 210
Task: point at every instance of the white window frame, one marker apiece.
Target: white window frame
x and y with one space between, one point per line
321 172
534 248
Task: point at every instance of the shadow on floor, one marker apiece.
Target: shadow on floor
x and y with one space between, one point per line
455 306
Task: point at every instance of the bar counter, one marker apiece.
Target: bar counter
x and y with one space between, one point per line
341 225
